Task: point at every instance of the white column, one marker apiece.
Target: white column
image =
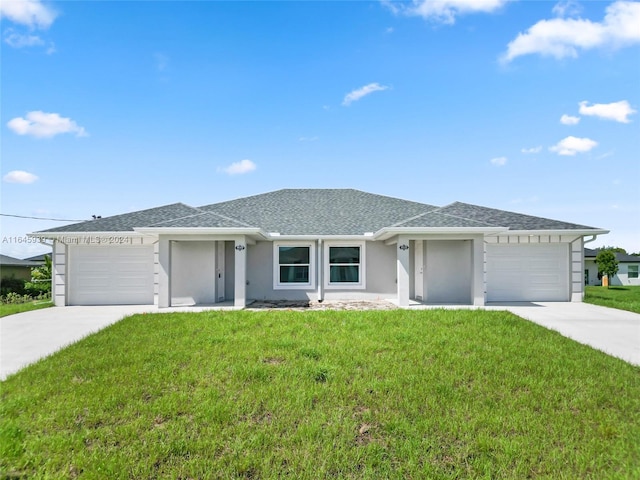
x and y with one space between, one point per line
320 271
477 269
240 274
59 261
577 270
402 251
164 273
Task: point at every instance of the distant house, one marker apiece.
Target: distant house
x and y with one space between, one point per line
628 269
15 268
318 244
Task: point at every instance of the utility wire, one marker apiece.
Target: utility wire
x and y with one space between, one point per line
41 218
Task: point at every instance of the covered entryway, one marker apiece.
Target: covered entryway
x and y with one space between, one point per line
528 273
111 275
448 272
197 272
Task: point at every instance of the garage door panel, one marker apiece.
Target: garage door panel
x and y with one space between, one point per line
119 275
527 273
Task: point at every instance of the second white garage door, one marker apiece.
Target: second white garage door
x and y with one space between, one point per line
528 273
109 275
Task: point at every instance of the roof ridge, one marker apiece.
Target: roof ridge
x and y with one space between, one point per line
200 212
464 218
397 224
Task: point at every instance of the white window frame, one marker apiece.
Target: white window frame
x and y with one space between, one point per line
636 271
362 273
311 284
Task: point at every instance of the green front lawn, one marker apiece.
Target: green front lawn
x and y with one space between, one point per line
11 308
623 298
379 394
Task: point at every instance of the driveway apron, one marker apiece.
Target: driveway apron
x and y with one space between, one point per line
615 332
29 336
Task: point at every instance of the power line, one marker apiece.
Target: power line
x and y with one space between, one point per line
42 218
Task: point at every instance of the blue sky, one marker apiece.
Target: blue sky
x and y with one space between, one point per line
528 106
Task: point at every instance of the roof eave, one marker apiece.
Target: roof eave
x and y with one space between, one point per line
578 231
200 231
388 232
100 233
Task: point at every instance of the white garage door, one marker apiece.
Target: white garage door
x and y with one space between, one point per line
528 273
121 275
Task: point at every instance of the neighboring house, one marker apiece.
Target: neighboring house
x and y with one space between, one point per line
628 269
317 244
15 268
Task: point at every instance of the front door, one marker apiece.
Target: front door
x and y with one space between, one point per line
418 270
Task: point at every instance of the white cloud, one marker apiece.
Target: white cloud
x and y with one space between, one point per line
537 149
569 120
357 94
32 13
571 145
618 111
444 11
499 161
18 40
567 8
19 176
239 168
564 37
44 125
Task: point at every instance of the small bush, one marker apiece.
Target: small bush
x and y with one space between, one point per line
35 289
12 285
16 298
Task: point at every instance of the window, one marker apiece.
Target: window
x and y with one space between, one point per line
632 271
293 266
344 265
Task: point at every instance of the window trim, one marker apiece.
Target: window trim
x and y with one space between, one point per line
636 272
311 284
362 272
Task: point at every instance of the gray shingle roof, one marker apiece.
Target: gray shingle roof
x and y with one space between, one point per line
128 221
436 219
620 257
318 212
502 218
201 220
7 261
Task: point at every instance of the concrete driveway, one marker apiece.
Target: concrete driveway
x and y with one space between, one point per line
615 332
30 336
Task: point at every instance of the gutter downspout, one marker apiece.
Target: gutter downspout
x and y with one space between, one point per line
593 237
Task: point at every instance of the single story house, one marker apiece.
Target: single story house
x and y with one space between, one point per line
628 269
317 244
16 268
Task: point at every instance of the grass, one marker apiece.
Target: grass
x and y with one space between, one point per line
623 298
382 394
11 308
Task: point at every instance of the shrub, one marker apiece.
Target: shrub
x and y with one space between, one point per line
12 285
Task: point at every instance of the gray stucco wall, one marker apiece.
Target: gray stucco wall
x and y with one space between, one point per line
192 273
229 269
380 271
